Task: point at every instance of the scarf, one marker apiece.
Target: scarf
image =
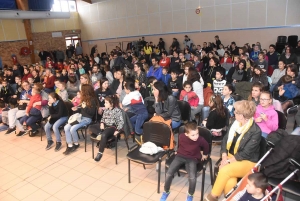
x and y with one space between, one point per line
237 128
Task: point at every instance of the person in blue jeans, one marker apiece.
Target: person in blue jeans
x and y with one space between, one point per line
58 116
166 105
87 108
188 154
135 100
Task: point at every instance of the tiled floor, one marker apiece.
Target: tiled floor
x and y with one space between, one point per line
28 172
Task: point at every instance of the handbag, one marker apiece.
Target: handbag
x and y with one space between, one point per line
75 119
22 106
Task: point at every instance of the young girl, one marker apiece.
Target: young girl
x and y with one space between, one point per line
76 100
88 110
188 95
102 92
111 123
265 115
228 99
260 76
277 74
217 118
58 116
239 73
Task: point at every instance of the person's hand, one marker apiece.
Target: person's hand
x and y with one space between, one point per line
204 157
293 82
34 104
175 90
125 109
102 126
234 81
154 114
27 114
264 70
281 92
14 96
204 123
264 116
116 132
74 108
100 111
280 87
143 85
258 120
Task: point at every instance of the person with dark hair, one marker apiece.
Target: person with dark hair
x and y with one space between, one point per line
117 85
219 82
139 74
161 44
210 72
165 104
101 93
188 95
260 76
174 84
277 74
58 116
48 81
72 85
96 75
234 49
261 62
272 56
6 91
155 70
175 61
239 73
218 42
87 108
288 57
254 54
165 61
228 100
175 44
111 124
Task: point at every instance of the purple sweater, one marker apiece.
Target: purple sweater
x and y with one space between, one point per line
191 149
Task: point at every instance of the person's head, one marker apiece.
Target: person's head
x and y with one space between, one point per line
257 183
53 97
146 67
25 85
281 65
119 74
193 75
103 84
138 67
181 55
111 101
85 79
216 37
256 48
58 74
187 86
191 131
241 65
236 58
34 73
288 49
164 71
4 83
61 86
35 91
272 48
30 80
204 44
241 51
286 79
129 87
95 69
155 61
174 74
227 90
48 72
78 94
219 74
151 80
18 79
244 110
292 70
256 90
216 102
265 99
88 94
261 55
257 71
56 82
213 62
164 54
175 54
26 71
187 66
226 54
160 91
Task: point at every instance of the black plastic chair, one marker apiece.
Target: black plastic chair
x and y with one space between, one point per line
201 166
237 97
160 135
281 120
291 114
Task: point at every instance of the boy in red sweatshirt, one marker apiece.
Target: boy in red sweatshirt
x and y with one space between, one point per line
33 114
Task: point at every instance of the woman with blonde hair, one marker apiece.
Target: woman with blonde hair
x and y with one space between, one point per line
85 79
240 149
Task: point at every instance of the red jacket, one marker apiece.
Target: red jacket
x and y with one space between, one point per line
192 97
33 99
229 60
49 82
165 62
26 76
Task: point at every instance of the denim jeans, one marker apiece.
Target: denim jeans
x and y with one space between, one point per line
137 122
265 135
205 112
71 131
191 168
196 110
31 121
175 93
55 127
175 124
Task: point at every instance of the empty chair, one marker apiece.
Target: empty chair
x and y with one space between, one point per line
281 39
293 40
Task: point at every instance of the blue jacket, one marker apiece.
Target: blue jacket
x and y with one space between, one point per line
254 55
165 78
291 91
157 73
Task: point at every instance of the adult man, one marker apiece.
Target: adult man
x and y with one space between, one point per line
187 42
96 75
273 57
218 42
234 49
43 56
93 50
60 56
155 70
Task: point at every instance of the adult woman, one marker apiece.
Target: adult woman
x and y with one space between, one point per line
194 78
260 76
48 81
139 74
108 74
58 116
165 104
84 79
187 54
88 110
72 86
210 72
148 52
288 57
239 150
26 75
35 76
102 92
239 74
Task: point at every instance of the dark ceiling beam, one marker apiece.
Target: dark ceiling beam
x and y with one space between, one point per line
88 1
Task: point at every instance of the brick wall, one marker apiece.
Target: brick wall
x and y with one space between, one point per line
40 40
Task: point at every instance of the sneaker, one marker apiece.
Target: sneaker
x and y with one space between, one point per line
58 146
68 150
49 145
76 146
33 133
21 133
164 196
98 157
189 197
10 130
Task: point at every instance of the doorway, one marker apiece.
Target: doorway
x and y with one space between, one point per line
73 40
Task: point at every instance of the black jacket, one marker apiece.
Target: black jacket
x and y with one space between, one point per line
249 148
58 111
169 109
89 112
114 86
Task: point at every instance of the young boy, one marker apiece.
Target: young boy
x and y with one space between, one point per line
5 92
149 88
165 76
218 83
62 92
261 62
174 83
31 81
188 153
255 189
135 100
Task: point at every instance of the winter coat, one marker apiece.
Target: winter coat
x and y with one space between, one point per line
272 123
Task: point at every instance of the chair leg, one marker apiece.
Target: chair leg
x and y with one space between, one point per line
202 185
126 141
129 171
41 132
93 149
211 172
159 170
144 166
116 155
85 139
78 135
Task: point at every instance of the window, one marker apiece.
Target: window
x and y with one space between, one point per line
64 6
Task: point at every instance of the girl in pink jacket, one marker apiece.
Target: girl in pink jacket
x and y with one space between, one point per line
265 115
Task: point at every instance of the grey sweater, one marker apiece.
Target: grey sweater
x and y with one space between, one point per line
263 64
277 74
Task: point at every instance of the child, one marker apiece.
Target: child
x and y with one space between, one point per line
261 62
255 189
33 114
5 92
174 83
260 76
189 96
102 92
218 83
228 99
149 88
288 90
76 100
165 76
56 83
62 92
31 81
64 76
265 115
188 153
277 74
135 100
239 74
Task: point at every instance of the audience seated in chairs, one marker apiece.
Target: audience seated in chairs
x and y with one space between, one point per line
228 100
88 110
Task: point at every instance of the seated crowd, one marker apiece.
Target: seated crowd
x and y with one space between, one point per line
131 87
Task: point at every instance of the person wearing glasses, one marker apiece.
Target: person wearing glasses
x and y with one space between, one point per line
240 149
288 57
265 115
